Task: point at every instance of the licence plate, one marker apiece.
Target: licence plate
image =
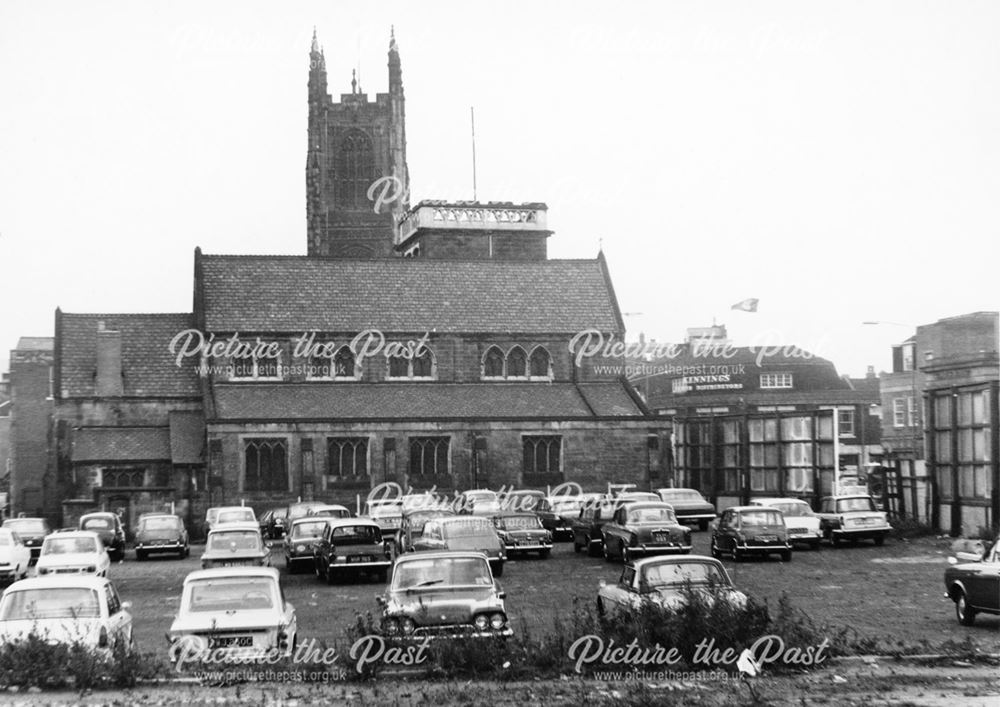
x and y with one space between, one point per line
230 641
660 537
767 538
360 558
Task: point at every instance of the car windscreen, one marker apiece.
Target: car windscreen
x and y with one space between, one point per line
50 603
855 504
147 524
67 546
651 515
761 518
356 535
234 540
309 529
519 523
27 526
242 515
97 524
795 510
460 571
333 513
681 496
231 594
680 573
567 506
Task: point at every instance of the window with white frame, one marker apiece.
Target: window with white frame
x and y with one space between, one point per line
845 422
775 380
900 408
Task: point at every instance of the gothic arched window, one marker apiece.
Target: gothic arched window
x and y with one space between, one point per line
493 363
355 170
540 363
517 362
344 363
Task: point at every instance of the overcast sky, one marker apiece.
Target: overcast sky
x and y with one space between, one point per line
837 160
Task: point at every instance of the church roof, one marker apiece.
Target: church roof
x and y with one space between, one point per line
422 401
297 293
106 444
148 367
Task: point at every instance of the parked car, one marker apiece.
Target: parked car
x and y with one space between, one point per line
300 543
478 502
272 523
587 533
751 530
411 526
210 515
425 501
108 527
444 593
972 581
329 511
300 509
237 613
519 501
66 609
75 551
689 506
644 528
665 581
159 533
351 546
464 533
32 531
235 545
852 518
15 556
522 533
557 513
388 515
632 496
234 514
801 521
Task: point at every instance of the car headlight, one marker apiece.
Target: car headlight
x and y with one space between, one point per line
43 570
497 621
300 548
481 622
408 626
390 627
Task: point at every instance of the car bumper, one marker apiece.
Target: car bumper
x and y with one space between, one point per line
805 536
861 533
649 549
150 548
342 564
458 631
529 547
696 517
764 549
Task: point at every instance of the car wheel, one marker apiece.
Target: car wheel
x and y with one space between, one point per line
291 567
835 540
605 550
702 525
576 546
544 553
601 611
814 545
965 614
786 556
715 550
625 555
737 555
140 555
880 540
331 577
383 576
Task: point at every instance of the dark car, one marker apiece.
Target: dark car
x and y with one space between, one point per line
108 527
472 533
689 506
444 594
587 526
32 532
751 530
272 523
161 533
521 501
351 546
522 533
235 545
973 580
411 526
644 528
557 513
300 543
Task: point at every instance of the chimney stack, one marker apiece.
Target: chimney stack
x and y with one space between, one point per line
109 362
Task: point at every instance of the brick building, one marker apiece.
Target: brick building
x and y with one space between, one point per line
32 482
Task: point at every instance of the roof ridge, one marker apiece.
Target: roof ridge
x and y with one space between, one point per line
413 262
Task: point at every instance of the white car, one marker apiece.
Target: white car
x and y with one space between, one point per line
800 520
15 556
233 514
663 581
66 609
240 611
75 552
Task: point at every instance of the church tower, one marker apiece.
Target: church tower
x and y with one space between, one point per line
357 183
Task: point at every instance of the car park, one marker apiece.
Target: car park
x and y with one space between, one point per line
666 582
161 533
66 609
972 580
329 511
15 557
643 528
32 531
108 527
800 520
235 545
300 543
73 552
464 533
522 533
236 614
411 526
852 518
751 530
478 502
444 594
350 547
689 506
587 533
